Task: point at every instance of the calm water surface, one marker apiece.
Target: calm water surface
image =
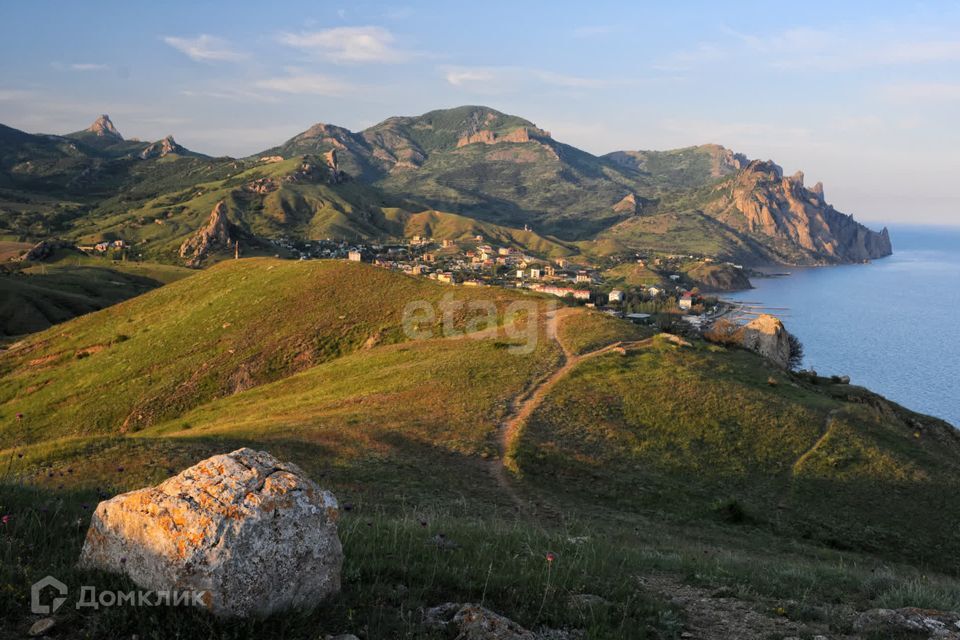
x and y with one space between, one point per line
892 326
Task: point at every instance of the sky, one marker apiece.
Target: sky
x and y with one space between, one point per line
864 96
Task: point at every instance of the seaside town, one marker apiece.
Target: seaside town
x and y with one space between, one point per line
668 297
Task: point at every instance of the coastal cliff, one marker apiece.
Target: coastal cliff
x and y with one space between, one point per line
803 227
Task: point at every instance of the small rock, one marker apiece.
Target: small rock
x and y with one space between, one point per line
41 626
473 622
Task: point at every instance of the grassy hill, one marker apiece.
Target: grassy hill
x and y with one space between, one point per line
35 296
648 471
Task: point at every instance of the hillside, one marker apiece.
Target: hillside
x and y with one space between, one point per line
35 296
471 161
649 466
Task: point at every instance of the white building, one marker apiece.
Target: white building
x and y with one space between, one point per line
616 297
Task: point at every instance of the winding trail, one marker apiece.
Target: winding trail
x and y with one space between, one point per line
825 432
526 403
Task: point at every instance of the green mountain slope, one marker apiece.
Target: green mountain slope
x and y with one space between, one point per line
470 161
229 328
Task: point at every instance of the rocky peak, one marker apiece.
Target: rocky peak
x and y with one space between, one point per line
103 128
162 148
724 161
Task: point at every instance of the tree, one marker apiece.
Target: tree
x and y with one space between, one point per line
796 352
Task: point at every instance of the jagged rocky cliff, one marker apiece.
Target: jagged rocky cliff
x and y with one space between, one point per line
801 226
216 233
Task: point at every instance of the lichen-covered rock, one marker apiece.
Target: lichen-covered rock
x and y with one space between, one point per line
253 533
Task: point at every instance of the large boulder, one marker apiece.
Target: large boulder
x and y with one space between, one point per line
765 335
253 533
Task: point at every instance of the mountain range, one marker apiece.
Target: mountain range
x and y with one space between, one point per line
463 170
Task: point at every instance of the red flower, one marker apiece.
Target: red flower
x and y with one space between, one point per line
551 556
5 519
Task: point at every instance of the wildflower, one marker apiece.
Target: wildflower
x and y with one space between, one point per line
19 416
19 455
119 469
551 556
5 519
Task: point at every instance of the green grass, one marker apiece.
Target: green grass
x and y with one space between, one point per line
33 298
392 572
634 431
683 461
237 325
586 331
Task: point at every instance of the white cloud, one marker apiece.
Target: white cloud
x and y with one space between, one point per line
88 66
684 60
205 48
349 44
829 50
307 83
492 80
465 77
236 95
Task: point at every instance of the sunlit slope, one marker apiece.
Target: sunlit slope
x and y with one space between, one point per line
223 330
702 432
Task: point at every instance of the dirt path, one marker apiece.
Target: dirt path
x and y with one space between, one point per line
803 457
526 403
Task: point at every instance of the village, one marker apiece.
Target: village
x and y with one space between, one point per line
673 301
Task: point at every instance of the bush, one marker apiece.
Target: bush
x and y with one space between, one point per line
796 352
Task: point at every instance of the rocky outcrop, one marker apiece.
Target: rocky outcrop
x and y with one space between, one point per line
250 534
908 622
46 249
485 136
102 127
309 171
761 201
764 335
628 205
216 233
336 176
162 148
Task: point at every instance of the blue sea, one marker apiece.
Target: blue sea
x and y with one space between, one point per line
892 325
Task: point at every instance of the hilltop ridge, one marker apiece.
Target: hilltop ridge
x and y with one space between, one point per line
472 161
